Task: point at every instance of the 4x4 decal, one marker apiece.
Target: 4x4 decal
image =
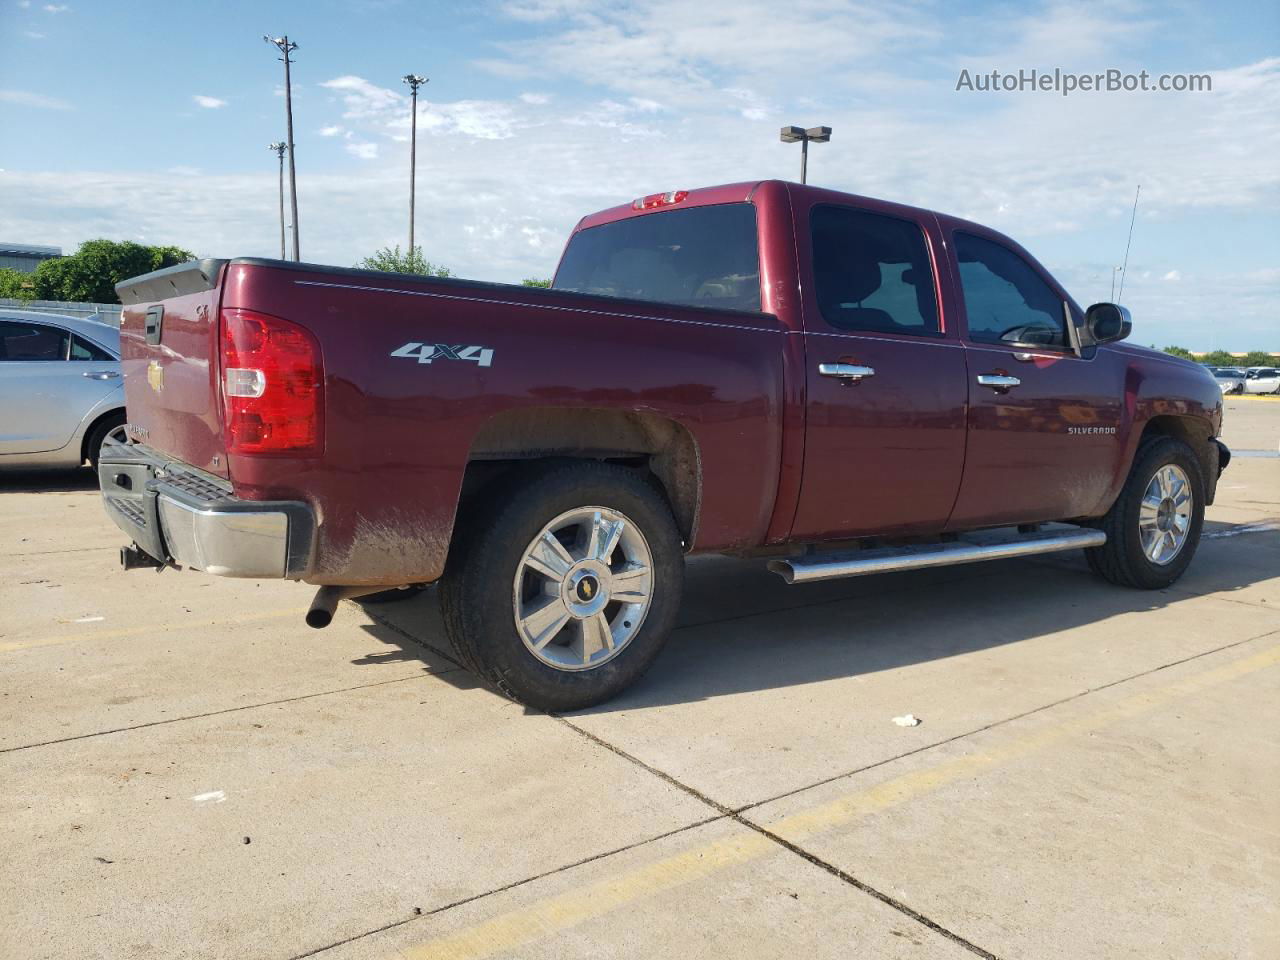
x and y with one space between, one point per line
426 352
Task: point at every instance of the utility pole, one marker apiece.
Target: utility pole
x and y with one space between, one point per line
414 81
279 147
286 47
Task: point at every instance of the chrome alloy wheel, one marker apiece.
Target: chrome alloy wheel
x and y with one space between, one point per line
1164 517
582 588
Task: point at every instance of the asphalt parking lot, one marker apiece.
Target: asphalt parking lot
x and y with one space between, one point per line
190 771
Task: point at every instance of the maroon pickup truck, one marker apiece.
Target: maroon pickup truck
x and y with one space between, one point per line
837 384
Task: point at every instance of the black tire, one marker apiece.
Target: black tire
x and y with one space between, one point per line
476 592
1121 559
99 433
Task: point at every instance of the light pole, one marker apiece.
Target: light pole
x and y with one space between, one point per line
414 81
286 47
279 147
804 137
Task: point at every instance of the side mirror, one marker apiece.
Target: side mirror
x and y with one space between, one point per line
1107 322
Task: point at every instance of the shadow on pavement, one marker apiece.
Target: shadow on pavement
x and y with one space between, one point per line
742 629
48 481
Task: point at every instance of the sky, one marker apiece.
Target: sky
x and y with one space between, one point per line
150 121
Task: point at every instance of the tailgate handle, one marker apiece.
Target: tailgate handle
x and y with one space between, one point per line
155 318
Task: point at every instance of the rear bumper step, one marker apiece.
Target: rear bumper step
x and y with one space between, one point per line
179 516
922 556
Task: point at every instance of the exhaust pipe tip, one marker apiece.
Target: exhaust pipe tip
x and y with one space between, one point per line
319 619
783 569
327 599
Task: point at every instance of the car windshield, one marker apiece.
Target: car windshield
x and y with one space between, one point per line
1225 374
701 256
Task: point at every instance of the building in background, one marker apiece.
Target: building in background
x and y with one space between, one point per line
26 256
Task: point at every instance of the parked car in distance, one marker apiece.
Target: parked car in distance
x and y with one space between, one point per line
61 389
833 384
1262 380
1230 379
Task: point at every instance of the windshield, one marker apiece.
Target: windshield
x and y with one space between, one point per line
701 256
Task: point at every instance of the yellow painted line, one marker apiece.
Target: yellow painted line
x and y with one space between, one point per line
142 631
547 917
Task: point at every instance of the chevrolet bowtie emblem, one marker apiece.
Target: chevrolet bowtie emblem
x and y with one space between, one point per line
155 375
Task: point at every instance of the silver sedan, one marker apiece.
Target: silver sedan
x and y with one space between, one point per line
1262 380
61 392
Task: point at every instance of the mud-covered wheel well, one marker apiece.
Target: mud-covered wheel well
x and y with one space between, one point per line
1196 434
653 444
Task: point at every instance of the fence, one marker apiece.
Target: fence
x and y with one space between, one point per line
107 312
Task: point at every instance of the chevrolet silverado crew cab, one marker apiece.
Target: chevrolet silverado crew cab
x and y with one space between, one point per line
836 384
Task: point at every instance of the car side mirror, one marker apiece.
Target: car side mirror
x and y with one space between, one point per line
1107 322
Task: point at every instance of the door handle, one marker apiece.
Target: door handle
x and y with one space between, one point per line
848 372
100 374
997 381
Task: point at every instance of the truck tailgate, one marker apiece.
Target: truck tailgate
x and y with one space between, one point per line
169 354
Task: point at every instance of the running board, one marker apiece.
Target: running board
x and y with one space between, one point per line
811 569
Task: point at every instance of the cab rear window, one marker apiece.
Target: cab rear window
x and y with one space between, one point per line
701 256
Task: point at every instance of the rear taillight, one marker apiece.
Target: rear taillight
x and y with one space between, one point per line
272 385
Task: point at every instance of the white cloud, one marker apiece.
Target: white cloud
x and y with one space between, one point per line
209 103
331 131
535 99
56 8
364 99
363 150
24 4
386 112
33 35
1173 275
25 98
750 104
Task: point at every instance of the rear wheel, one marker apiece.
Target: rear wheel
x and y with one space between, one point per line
564 593
1154 526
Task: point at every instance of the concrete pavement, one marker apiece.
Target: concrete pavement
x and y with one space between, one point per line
189 771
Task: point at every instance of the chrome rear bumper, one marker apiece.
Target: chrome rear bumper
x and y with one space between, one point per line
187 518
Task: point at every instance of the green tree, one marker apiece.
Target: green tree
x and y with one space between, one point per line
16 285
1182 352
92 272
1258 358
535 282
392 260
1219 358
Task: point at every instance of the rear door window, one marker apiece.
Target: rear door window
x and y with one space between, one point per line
22 341
702 256
872 272
82 349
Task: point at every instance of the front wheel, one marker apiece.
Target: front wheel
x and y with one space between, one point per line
564 592
1153 528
